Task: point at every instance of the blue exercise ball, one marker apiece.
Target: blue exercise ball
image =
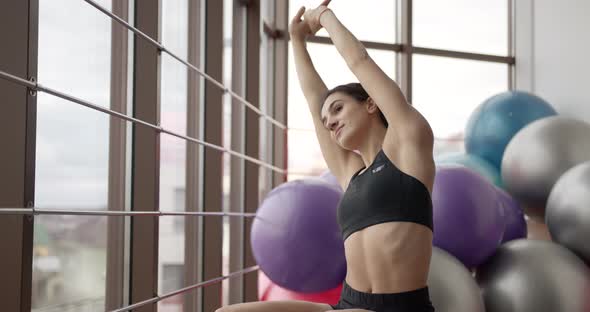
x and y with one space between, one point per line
477 164
493 124
295 237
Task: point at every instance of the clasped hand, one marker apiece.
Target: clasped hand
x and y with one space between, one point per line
310 24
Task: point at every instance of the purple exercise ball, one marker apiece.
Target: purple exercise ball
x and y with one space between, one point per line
295 237
467 218
514 221
330 178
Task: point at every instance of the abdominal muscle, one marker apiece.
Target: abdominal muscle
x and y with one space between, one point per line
388 257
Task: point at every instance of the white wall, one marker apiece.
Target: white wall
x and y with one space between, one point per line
552 45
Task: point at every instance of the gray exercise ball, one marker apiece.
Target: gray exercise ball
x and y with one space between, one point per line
538 155
568 210
452 287
534 276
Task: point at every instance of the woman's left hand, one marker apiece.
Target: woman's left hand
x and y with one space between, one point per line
312 16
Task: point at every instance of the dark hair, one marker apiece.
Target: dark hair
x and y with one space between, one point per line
356 91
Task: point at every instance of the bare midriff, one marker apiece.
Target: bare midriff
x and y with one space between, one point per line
388 257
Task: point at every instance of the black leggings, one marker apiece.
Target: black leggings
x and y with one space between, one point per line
409 301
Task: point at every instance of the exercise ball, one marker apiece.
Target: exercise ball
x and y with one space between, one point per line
269 291
466 215
479 165
568 210
493 123
538 155
295 238
514 221
534 276
451 286
327 176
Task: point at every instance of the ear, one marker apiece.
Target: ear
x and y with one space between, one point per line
371 106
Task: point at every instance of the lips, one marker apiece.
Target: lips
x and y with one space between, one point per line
337 133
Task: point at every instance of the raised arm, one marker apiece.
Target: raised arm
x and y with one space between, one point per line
314 89
404 120
310 81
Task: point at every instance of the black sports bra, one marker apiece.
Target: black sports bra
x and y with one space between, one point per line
383 193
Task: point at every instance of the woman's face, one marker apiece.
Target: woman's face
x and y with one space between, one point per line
346 118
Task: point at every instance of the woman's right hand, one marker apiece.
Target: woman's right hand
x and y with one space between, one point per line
299 28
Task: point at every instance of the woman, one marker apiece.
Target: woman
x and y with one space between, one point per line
380 150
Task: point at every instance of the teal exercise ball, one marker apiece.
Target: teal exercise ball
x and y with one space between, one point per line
495 122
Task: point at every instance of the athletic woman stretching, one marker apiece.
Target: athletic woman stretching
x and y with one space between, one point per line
380 149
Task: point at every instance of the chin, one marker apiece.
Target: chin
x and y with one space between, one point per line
348 142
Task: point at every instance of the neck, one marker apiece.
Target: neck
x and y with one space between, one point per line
373 144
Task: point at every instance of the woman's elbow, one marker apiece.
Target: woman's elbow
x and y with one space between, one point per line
358 60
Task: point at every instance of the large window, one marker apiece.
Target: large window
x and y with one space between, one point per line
459 57
116 183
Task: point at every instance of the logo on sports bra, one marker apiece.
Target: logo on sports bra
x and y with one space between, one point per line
378 168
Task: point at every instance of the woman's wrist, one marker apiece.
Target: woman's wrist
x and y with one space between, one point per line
298 42
322 14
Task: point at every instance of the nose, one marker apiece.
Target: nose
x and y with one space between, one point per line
332 125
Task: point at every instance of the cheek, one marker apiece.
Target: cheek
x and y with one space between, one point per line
356 116
350 113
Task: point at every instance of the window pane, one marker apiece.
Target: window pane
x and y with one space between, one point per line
227 125
305 156
173 99
371 20
69 263
69 252
72 141
463 25
447 90
333 70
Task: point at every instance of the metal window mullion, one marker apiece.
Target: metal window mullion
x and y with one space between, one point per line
267 90
114 291
237 171
463 55
252 177
373 45
280 87
404 48
146 152
193 235
425 51
511 25
17 163
213 164
405 57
